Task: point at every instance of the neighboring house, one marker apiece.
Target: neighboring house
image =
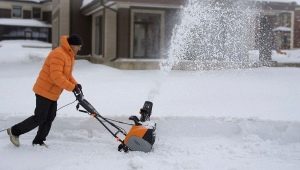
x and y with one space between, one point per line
67 19
285 21
131 33
134 34
115 31
25 19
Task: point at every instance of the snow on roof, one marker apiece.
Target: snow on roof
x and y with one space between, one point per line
283 29
85 3
23 22
283 1
36 1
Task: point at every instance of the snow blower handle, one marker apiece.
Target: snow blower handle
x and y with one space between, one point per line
84 103
135 119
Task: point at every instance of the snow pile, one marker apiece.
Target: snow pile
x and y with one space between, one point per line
16 51
182 143
291 56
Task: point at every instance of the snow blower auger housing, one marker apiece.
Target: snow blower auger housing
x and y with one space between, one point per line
140 137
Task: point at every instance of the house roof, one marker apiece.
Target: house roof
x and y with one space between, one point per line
91 5
85 3
88 6
170 2
23 22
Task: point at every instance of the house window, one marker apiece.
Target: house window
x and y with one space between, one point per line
284 19
36 13
17 12
98 35
283 24
147 34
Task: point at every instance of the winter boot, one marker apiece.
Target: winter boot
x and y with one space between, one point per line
14 139
40 144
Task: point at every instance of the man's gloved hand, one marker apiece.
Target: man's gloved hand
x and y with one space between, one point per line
77 88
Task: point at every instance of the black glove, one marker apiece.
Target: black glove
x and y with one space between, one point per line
77 88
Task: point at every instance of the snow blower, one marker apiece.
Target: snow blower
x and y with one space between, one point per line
140 137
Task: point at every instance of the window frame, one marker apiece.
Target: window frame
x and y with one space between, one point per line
100 14
17 7
40 12
162 29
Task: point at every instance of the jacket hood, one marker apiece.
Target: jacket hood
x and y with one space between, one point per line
65 45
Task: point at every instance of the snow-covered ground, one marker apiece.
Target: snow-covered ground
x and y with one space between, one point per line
228 119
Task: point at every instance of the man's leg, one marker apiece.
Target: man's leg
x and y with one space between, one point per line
39 117
45 127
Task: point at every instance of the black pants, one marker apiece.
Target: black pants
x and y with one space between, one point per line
43 117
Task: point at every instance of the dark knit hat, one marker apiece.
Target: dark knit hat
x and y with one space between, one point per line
74 40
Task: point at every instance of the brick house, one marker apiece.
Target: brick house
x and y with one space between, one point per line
296 26
27 19
285 20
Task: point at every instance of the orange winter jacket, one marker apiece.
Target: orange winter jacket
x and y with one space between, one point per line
56 73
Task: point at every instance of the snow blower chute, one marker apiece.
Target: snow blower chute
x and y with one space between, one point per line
140 137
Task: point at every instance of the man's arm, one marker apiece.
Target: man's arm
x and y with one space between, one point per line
72 79
56 74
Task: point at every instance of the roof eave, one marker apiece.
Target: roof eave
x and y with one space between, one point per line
88 9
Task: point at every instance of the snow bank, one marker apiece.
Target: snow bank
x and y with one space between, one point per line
23 51
292 56
182 143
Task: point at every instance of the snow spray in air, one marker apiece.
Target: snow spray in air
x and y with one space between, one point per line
213 34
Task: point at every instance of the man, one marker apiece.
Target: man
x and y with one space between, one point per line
54 77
